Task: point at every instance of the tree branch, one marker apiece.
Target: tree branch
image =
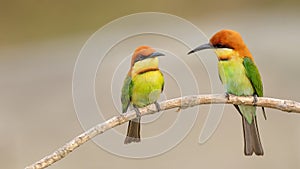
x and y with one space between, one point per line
182 103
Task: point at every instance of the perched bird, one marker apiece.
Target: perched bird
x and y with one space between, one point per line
241 77
142 86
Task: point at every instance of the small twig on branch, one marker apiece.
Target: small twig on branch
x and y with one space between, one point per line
182 102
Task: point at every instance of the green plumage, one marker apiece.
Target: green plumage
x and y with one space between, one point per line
141 88
253 75
241 78
146 88
126 93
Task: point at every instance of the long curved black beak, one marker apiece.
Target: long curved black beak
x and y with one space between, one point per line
156 54
204 46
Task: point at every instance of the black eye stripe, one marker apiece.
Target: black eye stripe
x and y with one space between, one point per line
139 58
220 45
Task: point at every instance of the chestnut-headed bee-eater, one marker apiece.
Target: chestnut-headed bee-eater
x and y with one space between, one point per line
241 77
142 86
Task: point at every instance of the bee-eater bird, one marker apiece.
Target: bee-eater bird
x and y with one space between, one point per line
241 77
142 86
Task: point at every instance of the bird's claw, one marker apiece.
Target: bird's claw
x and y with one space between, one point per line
254 99
137 111
227 95
157 106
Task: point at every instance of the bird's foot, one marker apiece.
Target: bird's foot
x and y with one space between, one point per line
254 99
227 95
157 106
137 111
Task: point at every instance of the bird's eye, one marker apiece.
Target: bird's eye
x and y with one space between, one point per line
220 45
139 58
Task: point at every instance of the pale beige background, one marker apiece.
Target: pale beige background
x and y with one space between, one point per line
39 44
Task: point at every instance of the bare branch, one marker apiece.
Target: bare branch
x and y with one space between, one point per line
182 102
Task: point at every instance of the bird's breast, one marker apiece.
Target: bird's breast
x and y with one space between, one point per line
233 75
147 87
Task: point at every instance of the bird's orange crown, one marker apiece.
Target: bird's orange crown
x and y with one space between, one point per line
230 39
141 51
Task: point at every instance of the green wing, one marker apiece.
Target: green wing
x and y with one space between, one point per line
126 93
254 76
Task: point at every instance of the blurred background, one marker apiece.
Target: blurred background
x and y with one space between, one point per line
40 42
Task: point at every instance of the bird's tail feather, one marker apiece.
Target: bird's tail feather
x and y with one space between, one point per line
133 131
251 138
